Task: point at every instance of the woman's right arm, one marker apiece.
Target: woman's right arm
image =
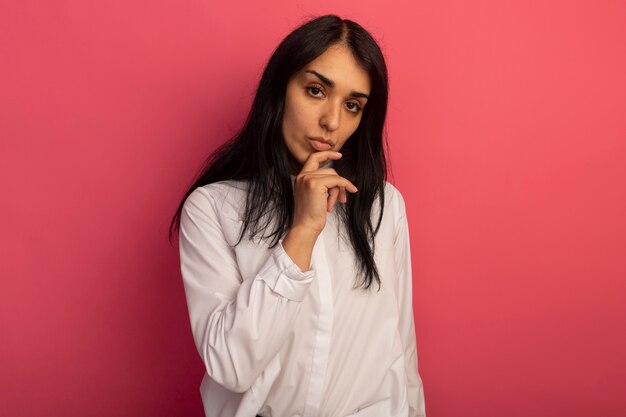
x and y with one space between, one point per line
315 192
238 325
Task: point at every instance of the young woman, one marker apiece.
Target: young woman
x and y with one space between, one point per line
282 237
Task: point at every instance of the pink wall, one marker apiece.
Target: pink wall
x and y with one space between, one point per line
507 128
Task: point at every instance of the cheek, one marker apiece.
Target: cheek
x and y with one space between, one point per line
351 128
293 117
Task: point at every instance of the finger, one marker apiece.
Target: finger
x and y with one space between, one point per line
318 172
331 181
315 159
332 198
342 195
326 171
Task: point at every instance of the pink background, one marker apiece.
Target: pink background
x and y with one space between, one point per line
508 140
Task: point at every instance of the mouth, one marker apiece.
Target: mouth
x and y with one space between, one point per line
320 144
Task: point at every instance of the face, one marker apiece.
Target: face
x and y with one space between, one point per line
324 101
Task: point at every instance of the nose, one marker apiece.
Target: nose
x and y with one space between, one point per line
331 115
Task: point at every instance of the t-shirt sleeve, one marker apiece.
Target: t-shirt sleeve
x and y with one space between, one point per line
238 326
402 246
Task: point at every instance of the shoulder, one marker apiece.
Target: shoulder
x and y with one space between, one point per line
394 201
392 216
223 197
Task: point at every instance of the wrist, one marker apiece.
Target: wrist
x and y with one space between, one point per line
303 234
298 244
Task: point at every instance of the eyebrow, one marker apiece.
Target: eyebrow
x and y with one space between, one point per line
331 83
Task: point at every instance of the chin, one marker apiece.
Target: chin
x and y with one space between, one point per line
303 155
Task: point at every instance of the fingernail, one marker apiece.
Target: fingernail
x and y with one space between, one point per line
339 153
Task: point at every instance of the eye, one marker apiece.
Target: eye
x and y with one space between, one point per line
353 107
315 91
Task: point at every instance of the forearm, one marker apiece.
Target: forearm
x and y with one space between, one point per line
237 335
299 243
239 323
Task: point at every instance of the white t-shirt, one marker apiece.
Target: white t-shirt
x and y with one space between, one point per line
279 342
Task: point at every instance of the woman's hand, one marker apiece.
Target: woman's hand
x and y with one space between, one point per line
315 192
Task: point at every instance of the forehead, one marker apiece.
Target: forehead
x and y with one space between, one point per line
338 64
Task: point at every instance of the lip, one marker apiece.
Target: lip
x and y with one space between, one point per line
320 143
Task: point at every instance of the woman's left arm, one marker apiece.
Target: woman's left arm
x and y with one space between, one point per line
402 247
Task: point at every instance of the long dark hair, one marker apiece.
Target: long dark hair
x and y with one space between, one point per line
258 154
